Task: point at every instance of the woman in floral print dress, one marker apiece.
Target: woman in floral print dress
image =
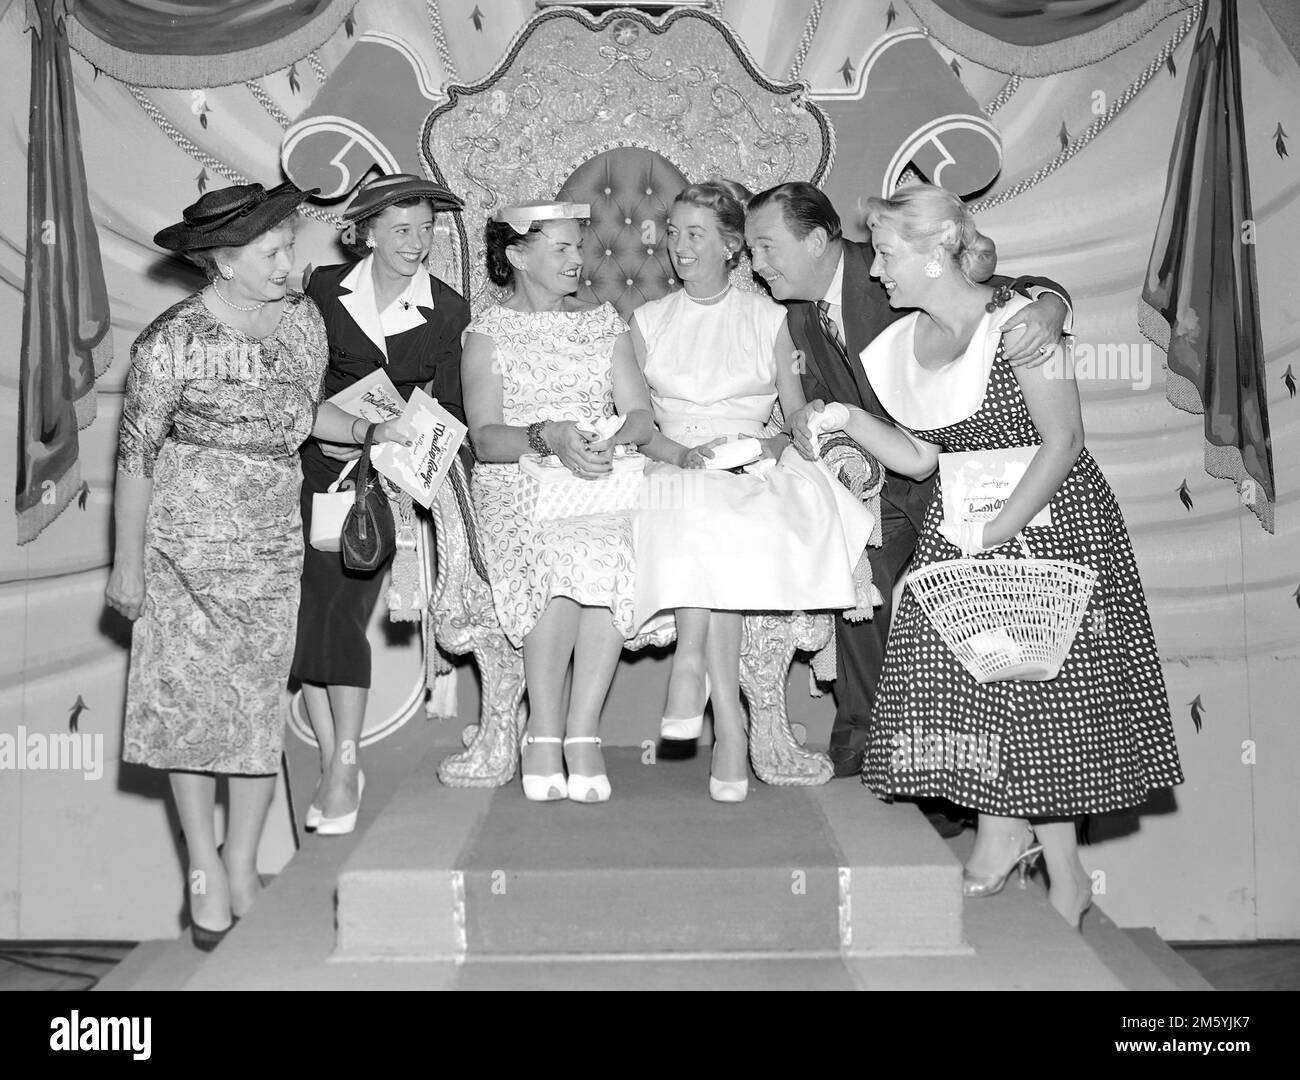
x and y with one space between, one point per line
223 388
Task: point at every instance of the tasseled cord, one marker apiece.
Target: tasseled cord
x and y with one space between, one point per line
408 590
822 668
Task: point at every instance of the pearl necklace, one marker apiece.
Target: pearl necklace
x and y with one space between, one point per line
708 299
238 307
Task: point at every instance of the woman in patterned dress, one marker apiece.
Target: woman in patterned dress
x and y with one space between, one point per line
223 388
535 370
1099 736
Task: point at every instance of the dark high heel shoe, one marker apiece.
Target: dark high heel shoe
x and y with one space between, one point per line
206 939
977 886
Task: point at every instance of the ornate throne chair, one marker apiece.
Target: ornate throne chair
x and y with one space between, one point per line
621 112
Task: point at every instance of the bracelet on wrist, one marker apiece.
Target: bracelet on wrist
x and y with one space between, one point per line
358 420
536 443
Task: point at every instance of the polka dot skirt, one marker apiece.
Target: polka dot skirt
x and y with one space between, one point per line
1098 737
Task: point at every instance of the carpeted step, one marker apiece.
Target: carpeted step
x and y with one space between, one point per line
660 869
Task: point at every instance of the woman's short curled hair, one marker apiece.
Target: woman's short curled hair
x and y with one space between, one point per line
206 259
925 217
727 200
498 237
353 238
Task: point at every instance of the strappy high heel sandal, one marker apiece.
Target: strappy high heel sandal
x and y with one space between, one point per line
587 789
975 885
544 788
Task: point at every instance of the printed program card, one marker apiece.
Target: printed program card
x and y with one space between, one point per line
977 483
373 398
419 469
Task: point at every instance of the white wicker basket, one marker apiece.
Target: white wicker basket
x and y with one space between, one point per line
1005 618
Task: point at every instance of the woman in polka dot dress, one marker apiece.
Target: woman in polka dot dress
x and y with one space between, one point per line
1099 736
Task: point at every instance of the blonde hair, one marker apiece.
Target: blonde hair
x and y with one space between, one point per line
926 217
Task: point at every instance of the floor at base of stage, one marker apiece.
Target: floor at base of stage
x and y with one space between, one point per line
660 888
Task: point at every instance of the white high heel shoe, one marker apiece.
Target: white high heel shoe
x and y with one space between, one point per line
345 823
689 728
312 821
728 790
587 789
549 788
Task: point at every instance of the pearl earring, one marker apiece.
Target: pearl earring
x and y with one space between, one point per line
226 272
370 241
934 268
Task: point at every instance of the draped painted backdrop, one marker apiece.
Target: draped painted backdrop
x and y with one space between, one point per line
1086 131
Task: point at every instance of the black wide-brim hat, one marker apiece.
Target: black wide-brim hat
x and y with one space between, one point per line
385 191
231 217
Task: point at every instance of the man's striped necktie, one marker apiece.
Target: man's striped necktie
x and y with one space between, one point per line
832 332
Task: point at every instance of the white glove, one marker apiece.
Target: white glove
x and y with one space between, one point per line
967 537
831 418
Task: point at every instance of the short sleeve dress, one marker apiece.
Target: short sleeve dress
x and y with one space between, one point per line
555 365
215 418
1096 738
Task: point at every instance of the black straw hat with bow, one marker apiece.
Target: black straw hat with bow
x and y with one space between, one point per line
232 217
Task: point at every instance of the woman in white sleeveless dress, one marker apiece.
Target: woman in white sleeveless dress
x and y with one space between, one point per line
710 544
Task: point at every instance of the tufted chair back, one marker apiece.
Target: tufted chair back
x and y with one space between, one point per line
630 191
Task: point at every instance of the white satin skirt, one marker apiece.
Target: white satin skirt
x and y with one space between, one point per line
781 536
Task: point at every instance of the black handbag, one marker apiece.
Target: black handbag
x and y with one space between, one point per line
369 537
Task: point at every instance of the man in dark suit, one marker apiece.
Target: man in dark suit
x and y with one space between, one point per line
835 308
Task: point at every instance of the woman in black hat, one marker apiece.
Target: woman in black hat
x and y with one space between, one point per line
223 388
383 311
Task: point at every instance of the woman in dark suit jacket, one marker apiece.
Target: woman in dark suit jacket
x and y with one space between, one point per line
383 311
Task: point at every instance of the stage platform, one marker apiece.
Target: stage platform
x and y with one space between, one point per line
661 888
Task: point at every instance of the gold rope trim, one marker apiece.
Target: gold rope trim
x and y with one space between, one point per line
317 67
268 103
1099 124
204 72
1003 95
208 161
440 42
1037 60
805 40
